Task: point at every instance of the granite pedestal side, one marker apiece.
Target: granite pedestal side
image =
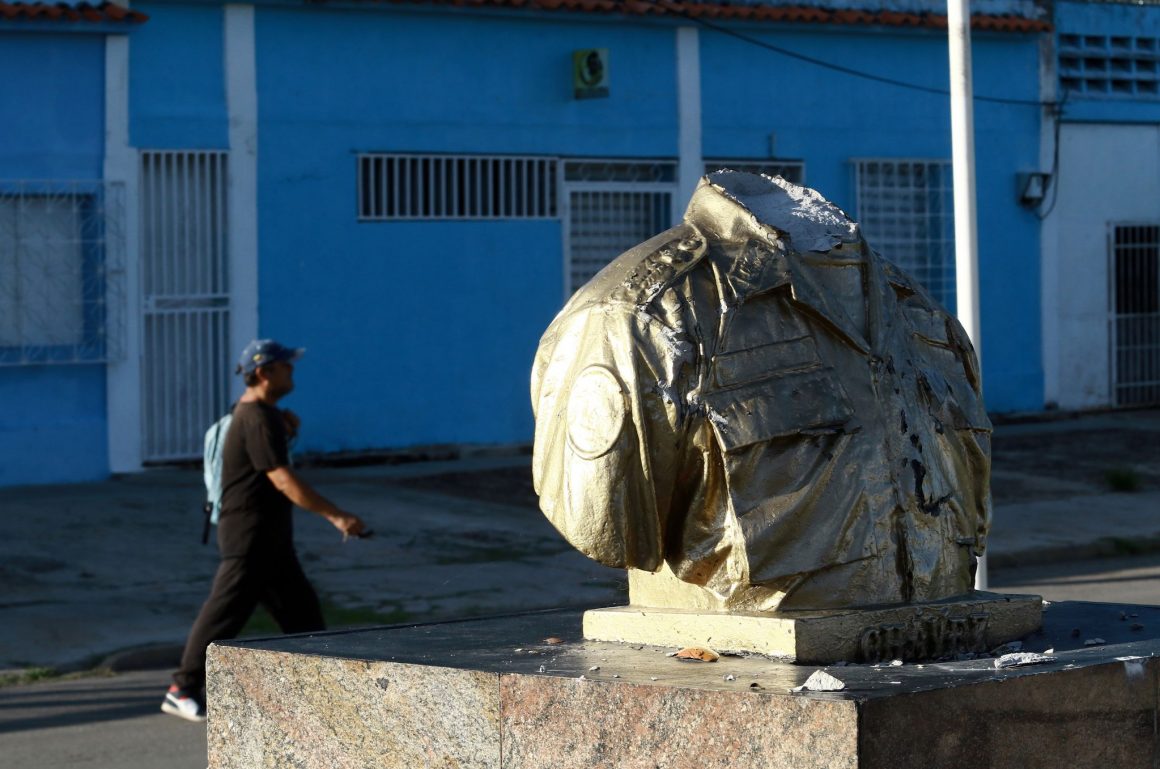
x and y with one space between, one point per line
494 693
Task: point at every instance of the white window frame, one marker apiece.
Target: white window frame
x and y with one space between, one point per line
61 272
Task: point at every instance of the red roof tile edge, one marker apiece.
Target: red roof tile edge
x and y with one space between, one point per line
63 12
696 9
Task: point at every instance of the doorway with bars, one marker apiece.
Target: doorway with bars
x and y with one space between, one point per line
1134 322
185 288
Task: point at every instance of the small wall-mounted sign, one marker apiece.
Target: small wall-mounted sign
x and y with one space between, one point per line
590 73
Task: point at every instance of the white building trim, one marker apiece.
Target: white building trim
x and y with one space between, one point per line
691 164
1049 261
242 106
123 375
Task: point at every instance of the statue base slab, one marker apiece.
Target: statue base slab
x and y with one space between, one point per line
506 693
976 623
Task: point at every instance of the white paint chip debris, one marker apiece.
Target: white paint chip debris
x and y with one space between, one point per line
543 669
820 681
1018 659
729 677
1094 642
593 669
811 222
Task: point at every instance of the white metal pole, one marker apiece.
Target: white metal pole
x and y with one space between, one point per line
690 165
963 162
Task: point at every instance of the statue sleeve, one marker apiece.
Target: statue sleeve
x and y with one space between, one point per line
603 429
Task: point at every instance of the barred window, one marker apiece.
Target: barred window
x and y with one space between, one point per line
57 255
906 209
1114 66
392 187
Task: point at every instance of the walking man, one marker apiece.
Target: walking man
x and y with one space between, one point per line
255 531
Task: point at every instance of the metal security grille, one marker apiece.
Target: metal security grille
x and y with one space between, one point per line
790 170
906 209
62 284
1135 317
611 205
185 282
392 187
1116 66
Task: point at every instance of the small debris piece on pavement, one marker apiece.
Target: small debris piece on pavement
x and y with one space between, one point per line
1094 642
698 654
553 640
820 681
1018 659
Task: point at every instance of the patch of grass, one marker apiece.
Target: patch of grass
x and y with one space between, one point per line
34 675
1123 479
27 676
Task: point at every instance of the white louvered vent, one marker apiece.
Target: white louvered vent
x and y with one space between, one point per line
393 187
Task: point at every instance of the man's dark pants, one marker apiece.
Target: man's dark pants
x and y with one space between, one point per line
275 581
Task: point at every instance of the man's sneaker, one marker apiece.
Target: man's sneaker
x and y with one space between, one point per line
183 704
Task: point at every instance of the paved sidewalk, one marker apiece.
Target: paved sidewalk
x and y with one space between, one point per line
92 569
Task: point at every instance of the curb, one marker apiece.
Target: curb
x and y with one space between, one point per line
148 657
1106 547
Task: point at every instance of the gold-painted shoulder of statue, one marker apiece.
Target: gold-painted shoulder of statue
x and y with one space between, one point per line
659 267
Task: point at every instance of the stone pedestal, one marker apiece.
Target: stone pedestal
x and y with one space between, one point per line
497 693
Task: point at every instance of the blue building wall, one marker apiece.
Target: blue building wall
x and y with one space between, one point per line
420 332
177 96
427 330
52 418
424 333
827 118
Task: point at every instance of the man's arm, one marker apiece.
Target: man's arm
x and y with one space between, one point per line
303 495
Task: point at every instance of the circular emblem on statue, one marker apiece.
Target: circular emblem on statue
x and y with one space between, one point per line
596 412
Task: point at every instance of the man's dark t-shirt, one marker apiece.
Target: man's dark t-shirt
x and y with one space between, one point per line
256 517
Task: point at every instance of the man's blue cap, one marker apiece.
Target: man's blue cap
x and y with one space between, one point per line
263 351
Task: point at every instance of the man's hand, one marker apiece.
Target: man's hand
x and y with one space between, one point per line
302 494
348 523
